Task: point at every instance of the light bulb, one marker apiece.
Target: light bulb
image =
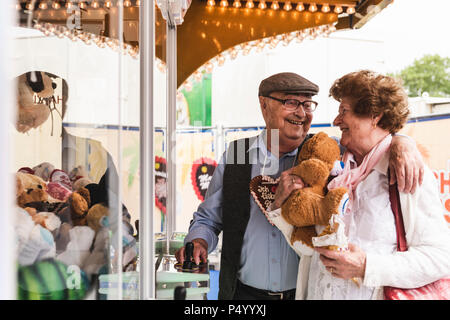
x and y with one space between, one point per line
43 5
198 76
300 7
325 8
312 7
108 4
350 10
69 4
95 4
209 67
127 3
274 42
338 9
211 3
233 53
59 34
82 5
287 6
188 86
237 4
260 46
224 3
250 4
134 51
138 3
275 5
262 5
29 6
220 60
56 5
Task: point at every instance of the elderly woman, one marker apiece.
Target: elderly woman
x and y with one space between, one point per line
372 108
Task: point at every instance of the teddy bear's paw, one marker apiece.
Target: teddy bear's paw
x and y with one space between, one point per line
304 209
336 201
304 235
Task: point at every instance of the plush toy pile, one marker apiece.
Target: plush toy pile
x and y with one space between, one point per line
62 219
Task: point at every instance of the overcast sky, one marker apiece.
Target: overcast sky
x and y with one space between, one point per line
410 29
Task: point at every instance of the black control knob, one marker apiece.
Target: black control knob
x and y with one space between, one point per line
188 254
179 293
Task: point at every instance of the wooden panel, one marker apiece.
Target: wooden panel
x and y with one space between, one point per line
208 31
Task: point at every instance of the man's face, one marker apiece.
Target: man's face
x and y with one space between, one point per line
292 125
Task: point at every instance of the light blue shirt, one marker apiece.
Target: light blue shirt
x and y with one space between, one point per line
267 261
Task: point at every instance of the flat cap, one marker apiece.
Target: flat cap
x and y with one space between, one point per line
287 82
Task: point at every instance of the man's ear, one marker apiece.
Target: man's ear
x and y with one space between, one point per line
262 102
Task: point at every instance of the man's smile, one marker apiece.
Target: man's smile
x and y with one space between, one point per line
299 123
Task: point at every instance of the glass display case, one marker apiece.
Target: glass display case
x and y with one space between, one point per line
76 148
96 121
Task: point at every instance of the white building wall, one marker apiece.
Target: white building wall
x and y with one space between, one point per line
323 60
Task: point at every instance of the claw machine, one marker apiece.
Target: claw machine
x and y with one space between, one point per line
82 97
87 104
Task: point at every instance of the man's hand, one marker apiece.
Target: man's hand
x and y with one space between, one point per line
405 164
288 183
344 264
200 252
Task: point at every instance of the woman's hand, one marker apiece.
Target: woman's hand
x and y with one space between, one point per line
344 264
288 183
405 164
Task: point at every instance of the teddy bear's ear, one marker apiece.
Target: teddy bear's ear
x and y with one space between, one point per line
40 83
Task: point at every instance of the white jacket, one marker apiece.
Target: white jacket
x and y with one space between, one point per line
427 235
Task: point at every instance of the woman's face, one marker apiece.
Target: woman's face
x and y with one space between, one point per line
356 130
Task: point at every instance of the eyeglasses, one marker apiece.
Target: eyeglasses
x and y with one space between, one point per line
293 104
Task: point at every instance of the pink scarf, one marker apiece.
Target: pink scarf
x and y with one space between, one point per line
350 178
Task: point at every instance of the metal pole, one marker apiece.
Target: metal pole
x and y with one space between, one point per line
8 271
119 230
171 128
147 158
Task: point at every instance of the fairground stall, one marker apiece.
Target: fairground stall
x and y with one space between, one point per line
111 145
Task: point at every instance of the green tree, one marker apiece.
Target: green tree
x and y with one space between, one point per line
429 74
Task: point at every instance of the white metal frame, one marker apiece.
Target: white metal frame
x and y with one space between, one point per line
146 244
8 269
171 130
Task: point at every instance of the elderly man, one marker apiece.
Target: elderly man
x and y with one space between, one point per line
256 261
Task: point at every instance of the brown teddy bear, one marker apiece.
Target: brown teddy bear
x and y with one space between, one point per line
77 209
32 195
25 181
72 211
313 205
95 216
31 114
